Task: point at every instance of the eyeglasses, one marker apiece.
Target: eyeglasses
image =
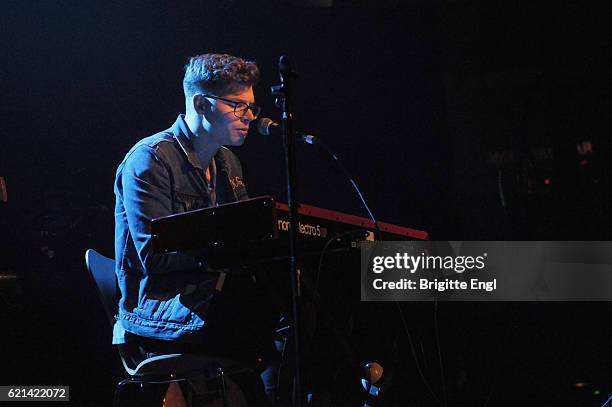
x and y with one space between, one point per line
240 108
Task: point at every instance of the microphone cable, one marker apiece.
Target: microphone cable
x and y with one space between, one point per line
437 334
353 183
414 354
266 126
379 237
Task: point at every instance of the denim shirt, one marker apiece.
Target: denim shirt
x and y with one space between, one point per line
164 296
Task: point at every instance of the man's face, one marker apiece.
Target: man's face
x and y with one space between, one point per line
220 122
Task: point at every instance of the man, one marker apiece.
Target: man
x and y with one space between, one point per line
171 302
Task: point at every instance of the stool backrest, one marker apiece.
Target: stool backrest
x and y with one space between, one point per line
102 270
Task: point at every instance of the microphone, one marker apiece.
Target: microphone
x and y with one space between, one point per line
267 127
284 68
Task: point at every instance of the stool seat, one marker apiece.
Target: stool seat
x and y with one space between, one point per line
180 364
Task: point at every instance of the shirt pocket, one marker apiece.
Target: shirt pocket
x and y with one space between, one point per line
185 202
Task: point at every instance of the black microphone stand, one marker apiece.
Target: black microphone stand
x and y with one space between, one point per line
284 99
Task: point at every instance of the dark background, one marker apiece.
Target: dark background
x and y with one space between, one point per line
460 118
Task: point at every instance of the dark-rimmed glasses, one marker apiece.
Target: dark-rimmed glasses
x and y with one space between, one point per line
240 108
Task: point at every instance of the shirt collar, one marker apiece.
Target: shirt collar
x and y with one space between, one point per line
184 136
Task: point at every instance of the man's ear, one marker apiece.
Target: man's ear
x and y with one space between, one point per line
199 103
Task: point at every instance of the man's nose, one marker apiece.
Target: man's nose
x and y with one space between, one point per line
248 117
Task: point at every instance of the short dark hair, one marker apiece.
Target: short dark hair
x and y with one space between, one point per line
218 74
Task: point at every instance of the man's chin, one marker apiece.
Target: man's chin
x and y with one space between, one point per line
238 141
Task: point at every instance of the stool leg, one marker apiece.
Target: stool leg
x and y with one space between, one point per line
117 391
223 387
174 396
119 387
